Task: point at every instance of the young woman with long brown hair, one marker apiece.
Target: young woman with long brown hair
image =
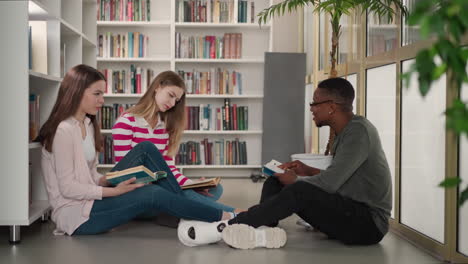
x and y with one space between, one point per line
81 200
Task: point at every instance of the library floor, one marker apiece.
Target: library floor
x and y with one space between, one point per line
146 242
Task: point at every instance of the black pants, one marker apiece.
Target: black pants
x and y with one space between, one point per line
338 217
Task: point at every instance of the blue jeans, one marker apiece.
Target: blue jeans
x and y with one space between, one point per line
164 197
192 195
209 200
161 164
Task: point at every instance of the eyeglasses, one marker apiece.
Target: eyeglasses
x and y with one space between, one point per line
319 103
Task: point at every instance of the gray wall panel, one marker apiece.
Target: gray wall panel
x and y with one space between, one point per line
283 106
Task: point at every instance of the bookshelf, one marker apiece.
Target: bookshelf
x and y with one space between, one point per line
208 132
70 24
161 29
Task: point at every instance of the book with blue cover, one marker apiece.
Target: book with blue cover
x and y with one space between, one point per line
271 168
141 173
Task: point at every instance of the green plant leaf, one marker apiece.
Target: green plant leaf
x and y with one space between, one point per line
457 117
425 30
436 24
450 182
454 9
464 19
456 30
438 71
406 77
425 66
463 196
420 11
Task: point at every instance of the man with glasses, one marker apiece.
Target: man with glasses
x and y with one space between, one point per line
350 201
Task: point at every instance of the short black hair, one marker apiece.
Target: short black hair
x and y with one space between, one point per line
341 90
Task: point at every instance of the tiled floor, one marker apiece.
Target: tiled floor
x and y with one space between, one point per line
146 242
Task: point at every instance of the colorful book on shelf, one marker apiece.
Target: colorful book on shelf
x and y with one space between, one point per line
252 12
203 184
34 113
272 167
141 173
123 10
30 48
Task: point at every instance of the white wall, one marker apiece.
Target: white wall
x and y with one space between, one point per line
308 37
352 78
285 32
423 157
308 118
381 111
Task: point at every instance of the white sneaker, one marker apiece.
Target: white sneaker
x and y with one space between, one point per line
195 233
246 237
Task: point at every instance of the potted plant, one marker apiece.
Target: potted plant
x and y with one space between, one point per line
336 9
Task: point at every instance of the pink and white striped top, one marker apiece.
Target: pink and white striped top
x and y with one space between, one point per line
129 130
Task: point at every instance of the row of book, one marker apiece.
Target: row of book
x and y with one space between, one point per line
246 12
218 152
215 81
123 10
215 11
229 46
202 117
134 80
127 45
207 117
106 156
34 116
108 114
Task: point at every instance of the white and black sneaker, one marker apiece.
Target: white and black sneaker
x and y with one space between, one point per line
246 237
195 233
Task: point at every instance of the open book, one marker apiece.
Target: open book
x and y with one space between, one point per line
208 183
271 168
141 173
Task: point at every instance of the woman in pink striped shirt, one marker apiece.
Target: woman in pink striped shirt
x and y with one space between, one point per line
82 200
159 117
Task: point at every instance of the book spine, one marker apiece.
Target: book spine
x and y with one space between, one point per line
252 12
246 117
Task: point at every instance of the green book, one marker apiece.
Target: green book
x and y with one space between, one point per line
141 173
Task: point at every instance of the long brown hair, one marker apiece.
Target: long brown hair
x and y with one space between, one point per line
174 118
70 94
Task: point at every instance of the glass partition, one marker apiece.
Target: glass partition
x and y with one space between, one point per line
381 34
423 157
409 34
322 35
381 111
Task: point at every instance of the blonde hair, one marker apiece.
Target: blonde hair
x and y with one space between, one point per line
174 118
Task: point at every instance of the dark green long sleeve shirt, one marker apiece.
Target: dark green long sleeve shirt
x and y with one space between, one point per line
359 170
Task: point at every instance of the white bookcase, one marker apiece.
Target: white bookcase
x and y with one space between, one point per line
162 30
70 23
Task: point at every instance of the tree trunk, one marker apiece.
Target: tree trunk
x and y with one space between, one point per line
333 52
